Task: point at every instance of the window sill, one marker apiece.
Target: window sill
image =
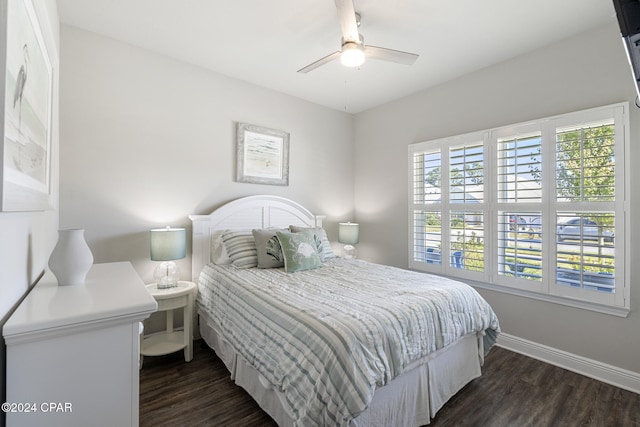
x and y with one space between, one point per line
584 305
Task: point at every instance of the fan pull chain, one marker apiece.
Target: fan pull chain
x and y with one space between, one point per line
345 95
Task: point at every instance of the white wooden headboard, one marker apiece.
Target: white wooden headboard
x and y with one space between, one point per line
245 214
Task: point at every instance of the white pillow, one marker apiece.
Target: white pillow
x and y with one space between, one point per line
218 251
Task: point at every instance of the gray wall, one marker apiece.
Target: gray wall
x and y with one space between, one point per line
585 71
27 238
146 141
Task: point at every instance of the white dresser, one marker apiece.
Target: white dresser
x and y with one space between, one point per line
73 351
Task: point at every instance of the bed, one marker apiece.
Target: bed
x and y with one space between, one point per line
324 340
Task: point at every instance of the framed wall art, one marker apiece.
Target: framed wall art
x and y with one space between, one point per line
262 155
27 94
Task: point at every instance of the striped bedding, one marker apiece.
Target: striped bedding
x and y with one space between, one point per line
327 338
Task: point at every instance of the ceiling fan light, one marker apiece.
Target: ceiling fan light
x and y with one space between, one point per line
352 54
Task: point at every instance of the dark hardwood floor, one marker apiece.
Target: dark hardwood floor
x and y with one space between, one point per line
514 390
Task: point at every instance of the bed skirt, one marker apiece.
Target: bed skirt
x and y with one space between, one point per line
410 400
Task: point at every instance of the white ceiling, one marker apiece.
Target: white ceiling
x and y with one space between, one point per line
266 41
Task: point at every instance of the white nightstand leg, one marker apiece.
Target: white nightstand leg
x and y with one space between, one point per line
141 360
188 334
141 336
169 321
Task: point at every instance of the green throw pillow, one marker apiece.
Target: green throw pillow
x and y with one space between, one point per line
299 250
324 247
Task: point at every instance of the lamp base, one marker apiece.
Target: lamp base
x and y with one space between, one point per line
349 251
166 275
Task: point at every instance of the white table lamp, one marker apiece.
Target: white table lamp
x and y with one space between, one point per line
349 234
167 245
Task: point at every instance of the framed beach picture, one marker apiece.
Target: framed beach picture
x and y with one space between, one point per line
27 111
262 155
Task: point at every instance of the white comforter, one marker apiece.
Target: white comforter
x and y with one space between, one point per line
328 337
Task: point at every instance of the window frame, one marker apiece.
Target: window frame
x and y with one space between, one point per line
617 303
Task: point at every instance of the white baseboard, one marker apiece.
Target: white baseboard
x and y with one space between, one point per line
609 374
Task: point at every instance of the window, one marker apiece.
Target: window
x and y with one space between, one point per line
536 209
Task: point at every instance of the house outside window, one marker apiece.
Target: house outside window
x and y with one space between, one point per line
536 209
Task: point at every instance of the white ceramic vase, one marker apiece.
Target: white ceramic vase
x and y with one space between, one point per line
71 258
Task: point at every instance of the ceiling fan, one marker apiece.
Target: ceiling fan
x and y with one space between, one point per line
354 52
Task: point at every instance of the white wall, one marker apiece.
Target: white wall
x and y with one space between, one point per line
582 72
146 141
26 238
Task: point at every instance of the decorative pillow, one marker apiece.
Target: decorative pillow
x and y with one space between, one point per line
324 247
299 251
268 246
218 252
241 248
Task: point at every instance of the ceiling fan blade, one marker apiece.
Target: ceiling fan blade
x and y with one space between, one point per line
320 62
374 52
348 23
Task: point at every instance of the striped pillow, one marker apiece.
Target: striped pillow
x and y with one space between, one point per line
241 248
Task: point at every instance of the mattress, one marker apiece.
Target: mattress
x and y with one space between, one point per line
326 339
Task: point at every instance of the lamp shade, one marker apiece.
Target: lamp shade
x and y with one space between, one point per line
167 244
348 233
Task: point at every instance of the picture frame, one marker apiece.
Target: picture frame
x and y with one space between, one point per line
26 91
262 155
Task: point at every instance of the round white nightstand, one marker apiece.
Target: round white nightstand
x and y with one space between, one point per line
170 341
